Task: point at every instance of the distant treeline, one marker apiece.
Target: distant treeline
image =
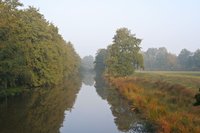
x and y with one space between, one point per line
32 52
87 64
161 59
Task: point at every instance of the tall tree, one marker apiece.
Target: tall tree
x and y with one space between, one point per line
123 54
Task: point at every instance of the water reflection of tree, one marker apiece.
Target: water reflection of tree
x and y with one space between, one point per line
100 86
41 111
88 78
125 119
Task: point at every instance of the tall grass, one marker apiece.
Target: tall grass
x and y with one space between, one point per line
167 104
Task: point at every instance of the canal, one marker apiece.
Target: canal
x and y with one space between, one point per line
77 107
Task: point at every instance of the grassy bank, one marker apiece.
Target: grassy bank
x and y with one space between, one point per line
165 98
187 79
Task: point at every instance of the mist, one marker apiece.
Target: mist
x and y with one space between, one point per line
90 25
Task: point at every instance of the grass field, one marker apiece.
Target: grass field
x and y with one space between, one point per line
165 98
187 79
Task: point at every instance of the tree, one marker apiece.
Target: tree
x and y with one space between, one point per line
196 59
124 54
184 59
161 56
100 60
159 59
150 58
172 61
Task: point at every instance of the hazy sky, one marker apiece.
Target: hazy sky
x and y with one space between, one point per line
91 24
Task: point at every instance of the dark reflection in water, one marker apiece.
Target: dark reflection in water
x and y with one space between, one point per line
50 110
125 119
40 111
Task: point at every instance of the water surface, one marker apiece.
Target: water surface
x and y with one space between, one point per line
72 108
100 109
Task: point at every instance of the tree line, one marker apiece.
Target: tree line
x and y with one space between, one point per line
124 55
161 59
32 52
87 64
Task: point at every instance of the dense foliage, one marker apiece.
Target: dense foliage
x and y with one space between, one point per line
32 52
122 57
123 54
161 59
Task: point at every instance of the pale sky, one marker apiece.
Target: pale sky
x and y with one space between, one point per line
91 24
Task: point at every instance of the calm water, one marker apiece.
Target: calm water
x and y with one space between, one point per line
74 108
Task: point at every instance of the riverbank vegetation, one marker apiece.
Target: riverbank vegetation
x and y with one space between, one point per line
125 119
163 100
32 52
